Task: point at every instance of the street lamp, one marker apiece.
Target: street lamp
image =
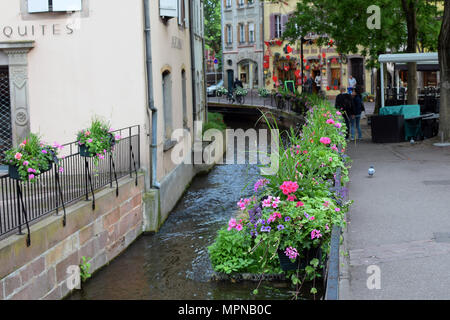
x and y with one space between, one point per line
302 40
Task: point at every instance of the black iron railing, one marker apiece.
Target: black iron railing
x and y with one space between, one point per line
48 195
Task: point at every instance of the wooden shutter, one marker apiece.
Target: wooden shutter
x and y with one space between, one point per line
272 26
284 20
246 33
260 33
226 34
238 34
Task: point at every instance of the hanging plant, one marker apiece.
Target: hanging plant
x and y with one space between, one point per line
31 158
97 140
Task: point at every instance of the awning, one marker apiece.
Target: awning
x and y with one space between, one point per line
420 67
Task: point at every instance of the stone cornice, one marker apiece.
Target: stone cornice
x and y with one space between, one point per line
17 46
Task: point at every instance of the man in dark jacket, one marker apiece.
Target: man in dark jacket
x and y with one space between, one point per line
357 109
344 105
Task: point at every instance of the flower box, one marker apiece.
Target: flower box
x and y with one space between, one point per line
84 151
13 173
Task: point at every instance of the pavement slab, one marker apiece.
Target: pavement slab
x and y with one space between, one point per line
399 222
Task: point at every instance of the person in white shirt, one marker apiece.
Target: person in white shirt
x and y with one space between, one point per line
317 81
351 83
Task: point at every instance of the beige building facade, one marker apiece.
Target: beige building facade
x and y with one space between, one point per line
63 63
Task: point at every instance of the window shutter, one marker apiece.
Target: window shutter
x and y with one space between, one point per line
66 5
272 26
226 34
246 33
38 6
168 8
238 34
284 19
260 33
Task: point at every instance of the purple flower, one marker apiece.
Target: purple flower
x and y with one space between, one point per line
306 215
287 219
280 227
44 151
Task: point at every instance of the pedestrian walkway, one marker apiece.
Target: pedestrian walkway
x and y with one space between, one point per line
399 222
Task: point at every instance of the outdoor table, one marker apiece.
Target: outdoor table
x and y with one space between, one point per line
408 111
412 117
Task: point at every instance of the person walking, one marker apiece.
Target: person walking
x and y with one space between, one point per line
355 117
351 84
309 84
344 104
318 81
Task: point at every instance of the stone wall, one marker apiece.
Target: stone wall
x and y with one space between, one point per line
40 271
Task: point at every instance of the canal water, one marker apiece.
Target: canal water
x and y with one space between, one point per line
173 263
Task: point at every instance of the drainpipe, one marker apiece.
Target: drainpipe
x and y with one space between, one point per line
151 104
192 37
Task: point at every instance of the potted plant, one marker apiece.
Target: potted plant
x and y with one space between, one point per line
31 158
221 91
97 140
263 92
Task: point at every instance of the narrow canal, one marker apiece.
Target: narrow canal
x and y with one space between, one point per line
173 263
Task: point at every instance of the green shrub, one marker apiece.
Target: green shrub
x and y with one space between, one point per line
215 121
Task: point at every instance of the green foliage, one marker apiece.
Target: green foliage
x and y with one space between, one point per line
292 212
263 92
213 27
231 253
31 157
98 138
222 91
345 22
215 121
241 91
84 269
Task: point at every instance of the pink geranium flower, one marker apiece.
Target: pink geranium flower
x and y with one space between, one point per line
18 156
325 140
231 224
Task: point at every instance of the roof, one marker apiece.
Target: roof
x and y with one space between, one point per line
428 57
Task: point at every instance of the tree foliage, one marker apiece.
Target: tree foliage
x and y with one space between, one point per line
346 22
213 31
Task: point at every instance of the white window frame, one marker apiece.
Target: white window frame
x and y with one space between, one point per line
278 26
241 33
228 4
251 32
241 3
230 34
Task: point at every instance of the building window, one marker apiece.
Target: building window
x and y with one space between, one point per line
228 35
241 3
241 33
5 112
251 32
250 2
278 27
228 4
335 78
167 104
